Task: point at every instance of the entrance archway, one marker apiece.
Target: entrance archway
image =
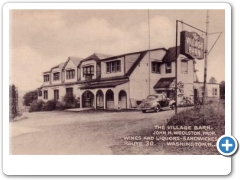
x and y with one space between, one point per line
122 99
109 99
99 100
87 99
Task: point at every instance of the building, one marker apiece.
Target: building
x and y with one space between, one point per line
113 82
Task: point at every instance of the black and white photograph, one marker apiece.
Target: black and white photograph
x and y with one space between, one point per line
116 82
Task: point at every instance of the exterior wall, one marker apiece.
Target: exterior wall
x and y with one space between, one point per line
112 104
70 65
130 60
88 63
139 80
78 73
154 77
185 78
209 87
46 83
117 90
104 73
62 92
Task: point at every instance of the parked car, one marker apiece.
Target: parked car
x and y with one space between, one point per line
156 102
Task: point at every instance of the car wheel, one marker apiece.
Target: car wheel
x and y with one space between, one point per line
143 111
173 106
157 109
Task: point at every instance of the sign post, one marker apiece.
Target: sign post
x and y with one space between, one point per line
192 46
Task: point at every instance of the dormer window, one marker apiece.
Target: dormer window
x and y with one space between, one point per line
46 78
113 66
56 76
70 74
88 71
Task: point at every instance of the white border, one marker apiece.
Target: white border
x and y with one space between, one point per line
114 165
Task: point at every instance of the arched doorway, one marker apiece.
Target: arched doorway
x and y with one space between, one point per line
109 99
87 99
122 99
99 100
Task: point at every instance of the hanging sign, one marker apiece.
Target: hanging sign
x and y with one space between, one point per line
191 44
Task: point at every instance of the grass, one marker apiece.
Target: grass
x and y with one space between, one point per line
211 115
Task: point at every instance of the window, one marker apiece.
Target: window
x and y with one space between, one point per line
168 68
113 66
184 67
70 74
69 91
214 91
46 78
56 76
56 94
39 93
45 94
156 67
88 71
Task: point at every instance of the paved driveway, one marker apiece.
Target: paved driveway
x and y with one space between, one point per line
92 132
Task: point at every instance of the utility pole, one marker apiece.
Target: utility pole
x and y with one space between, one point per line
205 62
176 56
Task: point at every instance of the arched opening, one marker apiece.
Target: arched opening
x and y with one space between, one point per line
87 99
109 99
122 99
99 100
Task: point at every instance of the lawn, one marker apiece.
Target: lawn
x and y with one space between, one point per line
191 131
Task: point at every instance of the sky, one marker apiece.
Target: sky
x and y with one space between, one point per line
41 39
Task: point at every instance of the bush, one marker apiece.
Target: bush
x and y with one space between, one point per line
36 105
49 105
212 114
29 97
60 105
70 101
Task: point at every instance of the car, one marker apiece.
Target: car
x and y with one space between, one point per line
155 102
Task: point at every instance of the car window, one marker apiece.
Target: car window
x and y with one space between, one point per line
152 97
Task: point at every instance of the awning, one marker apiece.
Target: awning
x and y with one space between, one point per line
108 84
165 83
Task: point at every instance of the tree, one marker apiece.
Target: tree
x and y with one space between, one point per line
13 101
222 90
212 80
29 97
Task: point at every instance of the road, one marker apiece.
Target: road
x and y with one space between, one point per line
90 132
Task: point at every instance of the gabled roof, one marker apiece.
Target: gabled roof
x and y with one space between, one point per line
97 56
58 66
121 55
164 83
76 60
136 63
171 54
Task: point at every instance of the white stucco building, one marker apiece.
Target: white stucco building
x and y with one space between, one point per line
107 82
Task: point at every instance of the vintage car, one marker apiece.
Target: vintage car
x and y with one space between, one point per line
156 102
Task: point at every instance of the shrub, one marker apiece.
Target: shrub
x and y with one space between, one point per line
29 97
49 105
36 105
70 101
60 105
